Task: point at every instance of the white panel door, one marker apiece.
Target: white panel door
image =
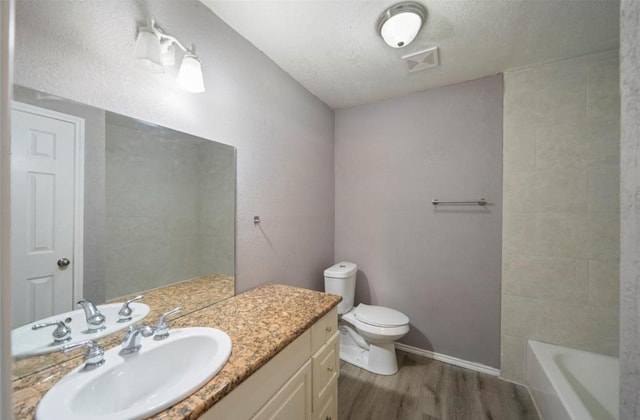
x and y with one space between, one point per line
43 206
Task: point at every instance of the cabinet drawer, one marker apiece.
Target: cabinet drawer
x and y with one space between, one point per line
329 407
326 367
323 329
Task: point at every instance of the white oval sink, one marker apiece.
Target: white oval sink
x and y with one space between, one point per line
27 342
141 384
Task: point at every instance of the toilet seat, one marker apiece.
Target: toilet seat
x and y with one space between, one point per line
363 316
380 316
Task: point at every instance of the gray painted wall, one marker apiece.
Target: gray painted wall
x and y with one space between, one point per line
439 266
170 201
283 134
153 210
630 211
216 169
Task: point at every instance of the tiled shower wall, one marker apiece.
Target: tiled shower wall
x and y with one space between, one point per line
561 208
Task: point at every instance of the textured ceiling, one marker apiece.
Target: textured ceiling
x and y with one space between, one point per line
331 47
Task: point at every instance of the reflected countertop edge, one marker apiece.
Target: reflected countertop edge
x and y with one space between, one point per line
260 322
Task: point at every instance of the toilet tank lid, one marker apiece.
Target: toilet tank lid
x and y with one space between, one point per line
341 270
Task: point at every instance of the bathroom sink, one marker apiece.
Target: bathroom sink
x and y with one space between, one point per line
27 342
141 384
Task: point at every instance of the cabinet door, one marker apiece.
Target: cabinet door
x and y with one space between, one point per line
293 401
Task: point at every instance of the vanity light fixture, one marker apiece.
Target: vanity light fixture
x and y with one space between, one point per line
400 23
156 49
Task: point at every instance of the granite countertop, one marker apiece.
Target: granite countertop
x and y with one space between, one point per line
260 322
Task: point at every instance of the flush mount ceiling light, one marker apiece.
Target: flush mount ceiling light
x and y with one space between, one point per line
400 23
156 49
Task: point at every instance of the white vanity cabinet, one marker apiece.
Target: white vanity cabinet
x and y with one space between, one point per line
299 383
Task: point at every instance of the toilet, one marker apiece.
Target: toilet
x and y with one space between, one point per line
367 332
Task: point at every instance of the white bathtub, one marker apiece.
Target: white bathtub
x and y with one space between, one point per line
572 384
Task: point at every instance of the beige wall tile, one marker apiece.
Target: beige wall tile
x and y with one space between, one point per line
585 327
513 357
519 194
560 279
603 188
601 237
519 154
518 233
560 220
604 279
561 145
557 234
563 98
561 189
603 142
518 315
603 94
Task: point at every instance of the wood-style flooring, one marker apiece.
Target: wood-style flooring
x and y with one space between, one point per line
425 389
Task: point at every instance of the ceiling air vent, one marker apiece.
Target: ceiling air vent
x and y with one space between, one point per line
422 60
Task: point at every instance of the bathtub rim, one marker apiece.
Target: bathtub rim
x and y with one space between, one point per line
562 389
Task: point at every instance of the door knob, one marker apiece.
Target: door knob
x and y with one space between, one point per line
63 262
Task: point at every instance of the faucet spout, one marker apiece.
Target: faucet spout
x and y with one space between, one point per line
132 341
95 319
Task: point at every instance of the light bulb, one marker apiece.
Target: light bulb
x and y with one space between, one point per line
190 74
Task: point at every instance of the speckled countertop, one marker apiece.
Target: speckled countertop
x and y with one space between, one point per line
260 322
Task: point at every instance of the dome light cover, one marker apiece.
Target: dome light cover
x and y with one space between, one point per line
399 25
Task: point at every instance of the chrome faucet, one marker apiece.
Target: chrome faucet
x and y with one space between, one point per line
93 357
125 312
162 328
95 319
131 342
61 334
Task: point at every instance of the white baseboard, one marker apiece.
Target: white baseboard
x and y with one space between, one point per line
478 367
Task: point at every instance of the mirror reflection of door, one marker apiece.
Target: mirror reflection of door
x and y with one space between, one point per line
47 174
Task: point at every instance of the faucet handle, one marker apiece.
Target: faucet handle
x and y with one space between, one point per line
162 328
61 334
125 312
93 357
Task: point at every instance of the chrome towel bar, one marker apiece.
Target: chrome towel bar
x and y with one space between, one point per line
481 202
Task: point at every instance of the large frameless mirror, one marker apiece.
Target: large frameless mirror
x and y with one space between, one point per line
107 208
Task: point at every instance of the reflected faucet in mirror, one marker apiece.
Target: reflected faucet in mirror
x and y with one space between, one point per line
60 335
125 312
95 320
34 339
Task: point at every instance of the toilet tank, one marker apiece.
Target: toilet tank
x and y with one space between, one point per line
340 279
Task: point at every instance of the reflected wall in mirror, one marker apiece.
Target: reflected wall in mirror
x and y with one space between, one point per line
156 214
170 207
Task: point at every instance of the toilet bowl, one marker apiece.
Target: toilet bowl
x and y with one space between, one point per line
367 332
